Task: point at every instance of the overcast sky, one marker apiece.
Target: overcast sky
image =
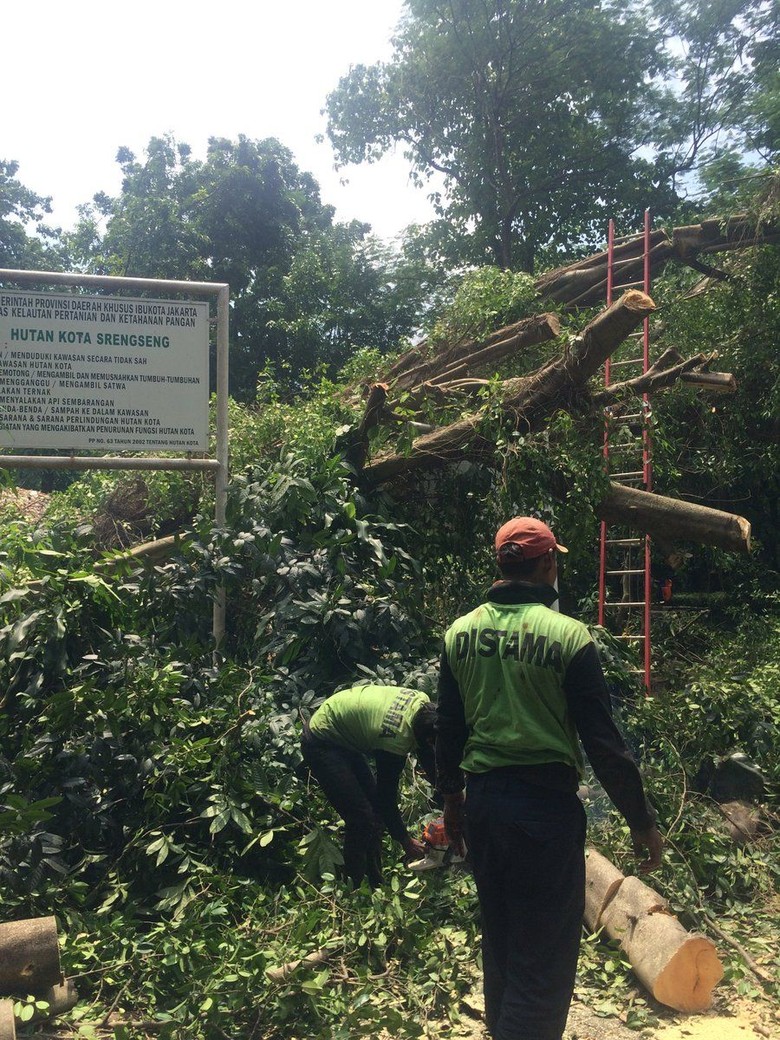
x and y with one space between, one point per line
87 76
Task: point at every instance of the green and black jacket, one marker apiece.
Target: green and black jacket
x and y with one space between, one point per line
520 686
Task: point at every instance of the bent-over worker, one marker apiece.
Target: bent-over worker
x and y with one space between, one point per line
519 683
385 723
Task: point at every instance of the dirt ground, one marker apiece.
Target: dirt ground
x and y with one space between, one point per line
750 1022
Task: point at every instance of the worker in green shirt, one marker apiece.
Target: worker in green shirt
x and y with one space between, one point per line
384 723
520 686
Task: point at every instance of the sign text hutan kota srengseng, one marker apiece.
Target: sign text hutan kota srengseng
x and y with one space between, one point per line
102 373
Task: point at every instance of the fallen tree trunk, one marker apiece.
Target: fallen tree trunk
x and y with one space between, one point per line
679 968
671 518
29 956
414 368
526 400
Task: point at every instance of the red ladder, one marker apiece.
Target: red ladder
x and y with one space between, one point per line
625 585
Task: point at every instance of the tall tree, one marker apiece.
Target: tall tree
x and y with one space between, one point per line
305 290
532 110
26 240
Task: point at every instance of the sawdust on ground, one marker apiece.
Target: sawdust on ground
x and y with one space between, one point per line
747 1022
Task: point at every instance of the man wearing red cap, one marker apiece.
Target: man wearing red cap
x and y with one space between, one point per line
520 686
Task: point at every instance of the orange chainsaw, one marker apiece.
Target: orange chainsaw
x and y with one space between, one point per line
438 851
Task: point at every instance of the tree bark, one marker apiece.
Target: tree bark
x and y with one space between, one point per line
312 960
412 369
584 283
29 956
527 400
670 518
7 1020
679 968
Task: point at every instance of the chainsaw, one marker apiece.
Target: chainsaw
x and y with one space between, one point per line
438 851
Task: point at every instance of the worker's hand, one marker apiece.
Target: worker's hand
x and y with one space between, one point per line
413 849
651 842
455 821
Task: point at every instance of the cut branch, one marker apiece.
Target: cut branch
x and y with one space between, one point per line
526 400
679 968
670 518
466 358
584 283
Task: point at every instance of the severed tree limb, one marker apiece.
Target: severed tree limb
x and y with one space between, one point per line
718 382
670 518
526 400
311 960
656 378
584 282
468 357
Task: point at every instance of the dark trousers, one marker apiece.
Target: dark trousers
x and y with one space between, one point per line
527 848
349 785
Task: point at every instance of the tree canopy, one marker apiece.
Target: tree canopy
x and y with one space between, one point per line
546 117
305 290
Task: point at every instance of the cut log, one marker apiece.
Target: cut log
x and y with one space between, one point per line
671 518
719 382
61 999
7 1020
742 821
679 968
29 956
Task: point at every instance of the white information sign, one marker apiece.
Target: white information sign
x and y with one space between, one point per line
103 373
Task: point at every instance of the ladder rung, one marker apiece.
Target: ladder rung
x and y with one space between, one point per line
634 571
628 260
629 285
628 418
630 637
622 603
628 361
624 541
628 474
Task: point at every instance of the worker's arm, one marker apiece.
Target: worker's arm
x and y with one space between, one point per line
589 704
451 735
388 772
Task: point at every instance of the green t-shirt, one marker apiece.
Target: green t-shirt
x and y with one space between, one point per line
509 660
369 718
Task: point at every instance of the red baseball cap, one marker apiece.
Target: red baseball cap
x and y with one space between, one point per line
532 537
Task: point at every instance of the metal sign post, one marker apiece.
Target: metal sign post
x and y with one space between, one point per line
98 373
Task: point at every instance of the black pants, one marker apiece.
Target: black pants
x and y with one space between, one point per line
527 847
349 785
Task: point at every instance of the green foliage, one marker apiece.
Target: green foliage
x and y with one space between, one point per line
523 111
26 241
305 291
485 300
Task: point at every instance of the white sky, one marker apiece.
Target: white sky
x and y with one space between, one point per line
84 77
